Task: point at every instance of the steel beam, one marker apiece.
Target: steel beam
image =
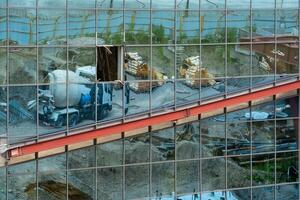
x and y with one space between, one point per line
163 118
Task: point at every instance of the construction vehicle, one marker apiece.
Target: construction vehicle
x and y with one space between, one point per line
192 71
55 106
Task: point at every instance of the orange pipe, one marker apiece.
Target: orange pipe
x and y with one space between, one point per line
168 117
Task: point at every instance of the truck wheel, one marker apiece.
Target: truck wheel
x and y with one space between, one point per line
60 121
73 119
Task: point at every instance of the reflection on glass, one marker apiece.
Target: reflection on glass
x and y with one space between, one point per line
81 184
187 141
109 183
263 169
22 3
52 184
263 136
187 91
263 111
287 134
238 138
22 26
163 63
137 27
81 4
258 4
81 27
108 4
263 23
213 26
110 27
287 191
213 136
163 27
22 65
238 24
187 176
238 172
238 60
52 3
263 63
162 96
3 28
211 88
52 27
110 153
291 4
217 194
25 189
137 182
213 178
163 145
235 85
58 163
238 4
239 194
22 112
287 107
213 58
163 180
266 193
3 182
3 111
287 57
287 167
165 4
188 27
137 149
137 4
81 158
50 59
212 4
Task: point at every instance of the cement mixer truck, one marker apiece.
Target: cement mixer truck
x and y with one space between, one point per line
75 101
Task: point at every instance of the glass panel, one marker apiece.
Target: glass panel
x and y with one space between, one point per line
238 25
52 3
110 26
287 167
110 104
238 60
188 63
110 153
22 3
109 183
163 27
163 145
213 178
22 112
137 148
137 63
81 27
287 107
212 136
54 186
51 114
213 58
262 111
3 28
3 111
263 169
163 180
81 4
287 134
238 115
22 65
238 172
238 4
238 138
52 27
49 60
137 4
264 80
137 100
162 96
263 24
187 91
187 177
162 63
188 27
270 4
3 3
287 4
213 26
24 189
239 194
22 26
287 23
287 57
163 4
81 184
81 158
220 195
188 4
212 4
58 163
137 27
187 141
211 88
263 136
105 4
266 193
137 182
3 183
22 168
287 192
235 85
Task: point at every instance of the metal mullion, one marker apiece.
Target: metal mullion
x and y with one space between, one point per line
200 159
67 69
251 50
95 169
275 149
226 156
123 166
151 57
226 60
66 172
7 76
37 73
251 152
150 162
175 57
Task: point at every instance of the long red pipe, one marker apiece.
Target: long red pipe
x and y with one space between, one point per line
168 117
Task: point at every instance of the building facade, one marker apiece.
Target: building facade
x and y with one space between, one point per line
69 65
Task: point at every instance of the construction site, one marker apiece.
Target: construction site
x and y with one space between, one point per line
149 100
